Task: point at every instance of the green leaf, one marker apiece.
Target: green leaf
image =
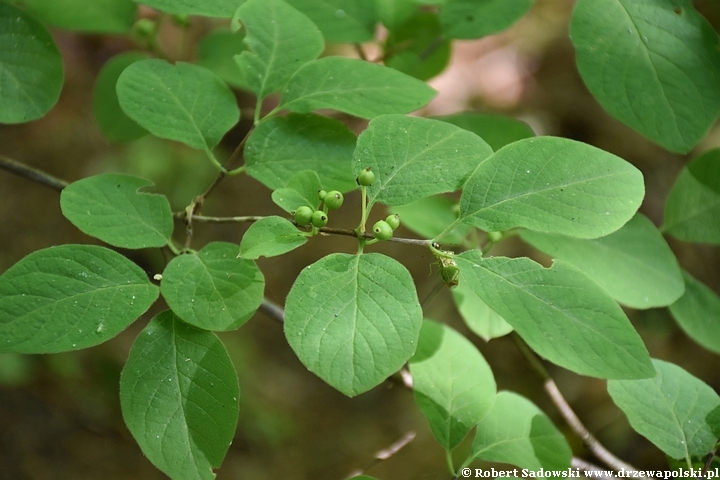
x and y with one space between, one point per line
468 19
113 122
519 433
353 86
353 320
98 16
478 316
280 40
302 189
669 410
652 64
206 8
32 71
70 297
428 217
423 51
213 289
180 102
453 384
216 51
562 314
693 204
713 419
552 185
496 130
415 157
111 208
179 397
270 237
281 147
393 13
698 313
340 21
634 264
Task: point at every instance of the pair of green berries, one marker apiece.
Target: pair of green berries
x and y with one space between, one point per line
383 229
305 215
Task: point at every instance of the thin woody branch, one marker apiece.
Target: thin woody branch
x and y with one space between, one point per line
26 171
552 390
323 230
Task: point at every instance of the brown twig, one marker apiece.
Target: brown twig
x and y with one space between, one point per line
324 230
31 173
204 219
551 389
196 205
586 466
272 310
708 462
360 51
385 453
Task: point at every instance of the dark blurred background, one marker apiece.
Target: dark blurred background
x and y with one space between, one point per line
60 414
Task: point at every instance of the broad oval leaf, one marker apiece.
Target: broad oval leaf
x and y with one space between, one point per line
98 16
422 50
414 157
468 19
216 51
113 122
562 314
698 313
634 264
213 289
302 189
693 205
280 40
31 65
179 397
110 207
206 8
353 320
281 147
453 384
652 64
519 433
429 216
340 21
713 419
180 102
360 88
270 237
393 13
70 297
496 130
552 185
670 410
478 316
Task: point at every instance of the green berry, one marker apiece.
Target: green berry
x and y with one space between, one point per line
366 177
144 28
322 194
319 219
495 236
303 215
334 200
382 230
393 220
181 20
